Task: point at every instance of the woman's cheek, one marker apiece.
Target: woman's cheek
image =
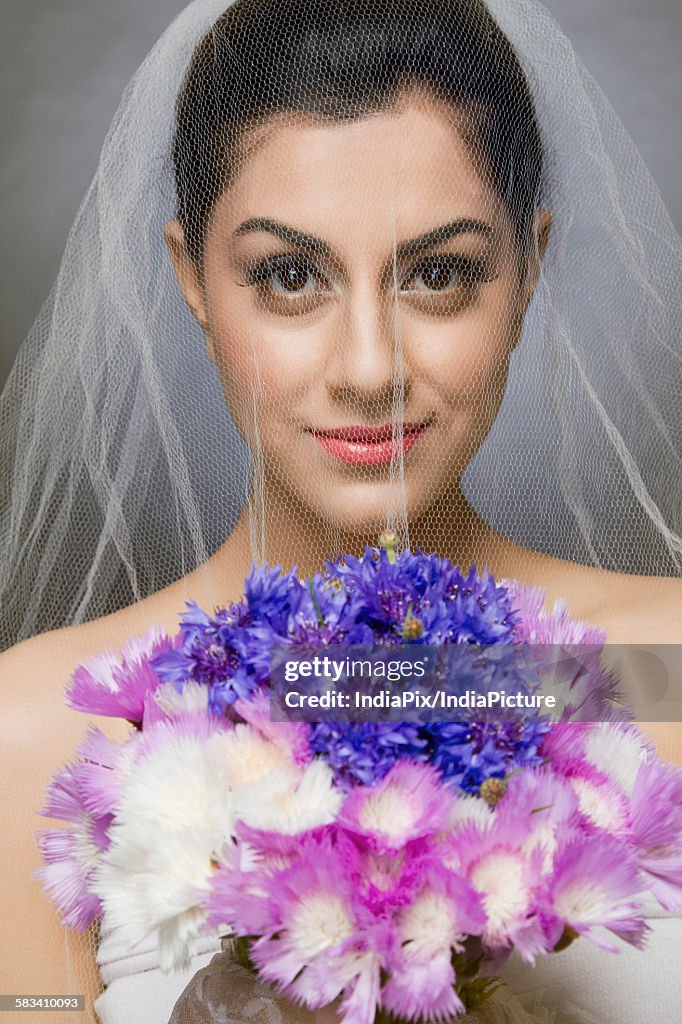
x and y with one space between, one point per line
463 363
265 375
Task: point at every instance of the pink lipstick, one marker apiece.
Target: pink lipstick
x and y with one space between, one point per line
369 446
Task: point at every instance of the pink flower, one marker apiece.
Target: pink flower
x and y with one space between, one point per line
119 686
538 626
101 772
508 878
319 942
594 880
656 829
409 803
313 906
387 882
423 991
355 976
603 804
71 854
565 743
546 801
441 914
237 895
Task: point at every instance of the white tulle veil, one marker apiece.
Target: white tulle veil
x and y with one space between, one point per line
121 469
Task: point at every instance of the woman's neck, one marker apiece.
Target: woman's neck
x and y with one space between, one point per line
288 535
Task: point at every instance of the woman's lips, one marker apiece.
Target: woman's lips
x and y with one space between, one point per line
369 446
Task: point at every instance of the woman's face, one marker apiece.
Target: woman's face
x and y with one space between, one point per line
355 273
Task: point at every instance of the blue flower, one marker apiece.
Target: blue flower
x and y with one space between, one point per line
368 600
365 753
317 612
468 753
213 650
267 595
451 607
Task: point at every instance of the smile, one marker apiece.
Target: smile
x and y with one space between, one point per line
369 446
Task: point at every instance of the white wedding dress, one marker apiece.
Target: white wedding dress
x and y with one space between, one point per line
581 985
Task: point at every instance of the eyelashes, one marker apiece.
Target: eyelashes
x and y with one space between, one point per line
444 272
289 271
296 283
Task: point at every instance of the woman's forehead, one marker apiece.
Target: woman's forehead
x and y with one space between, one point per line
399 171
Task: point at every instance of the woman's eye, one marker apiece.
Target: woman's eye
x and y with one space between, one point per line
288 277
441 274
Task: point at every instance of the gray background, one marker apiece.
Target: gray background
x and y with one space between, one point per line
64 64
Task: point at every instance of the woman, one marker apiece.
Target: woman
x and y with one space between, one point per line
365 207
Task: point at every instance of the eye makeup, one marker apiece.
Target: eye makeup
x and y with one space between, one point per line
290 282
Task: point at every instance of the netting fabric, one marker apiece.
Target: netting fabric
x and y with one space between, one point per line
347 265
358 197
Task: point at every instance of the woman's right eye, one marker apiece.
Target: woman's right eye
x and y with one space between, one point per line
286 277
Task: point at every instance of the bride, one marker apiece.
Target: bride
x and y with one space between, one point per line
415 275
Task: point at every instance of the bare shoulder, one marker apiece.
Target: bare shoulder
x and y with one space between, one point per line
631 608
34 673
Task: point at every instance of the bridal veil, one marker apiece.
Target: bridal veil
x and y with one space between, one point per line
129 447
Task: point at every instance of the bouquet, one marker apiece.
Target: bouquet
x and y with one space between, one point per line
391 866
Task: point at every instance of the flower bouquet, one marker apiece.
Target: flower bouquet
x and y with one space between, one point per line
385 867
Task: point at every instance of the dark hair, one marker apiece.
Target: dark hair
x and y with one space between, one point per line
342 60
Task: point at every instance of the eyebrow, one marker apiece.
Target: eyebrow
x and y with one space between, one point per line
463 226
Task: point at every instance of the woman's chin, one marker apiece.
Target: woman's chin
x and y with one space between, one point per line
365 509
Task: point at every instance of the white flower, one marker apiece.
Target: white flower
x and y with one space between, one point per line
279 805
193 699
251 759
175 816
618 751
500 878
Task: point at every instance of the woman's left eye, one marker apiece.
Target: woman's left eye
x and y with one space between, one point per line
444 273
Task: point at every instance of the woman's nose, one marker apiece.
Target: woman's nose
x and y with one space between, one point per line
367 368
